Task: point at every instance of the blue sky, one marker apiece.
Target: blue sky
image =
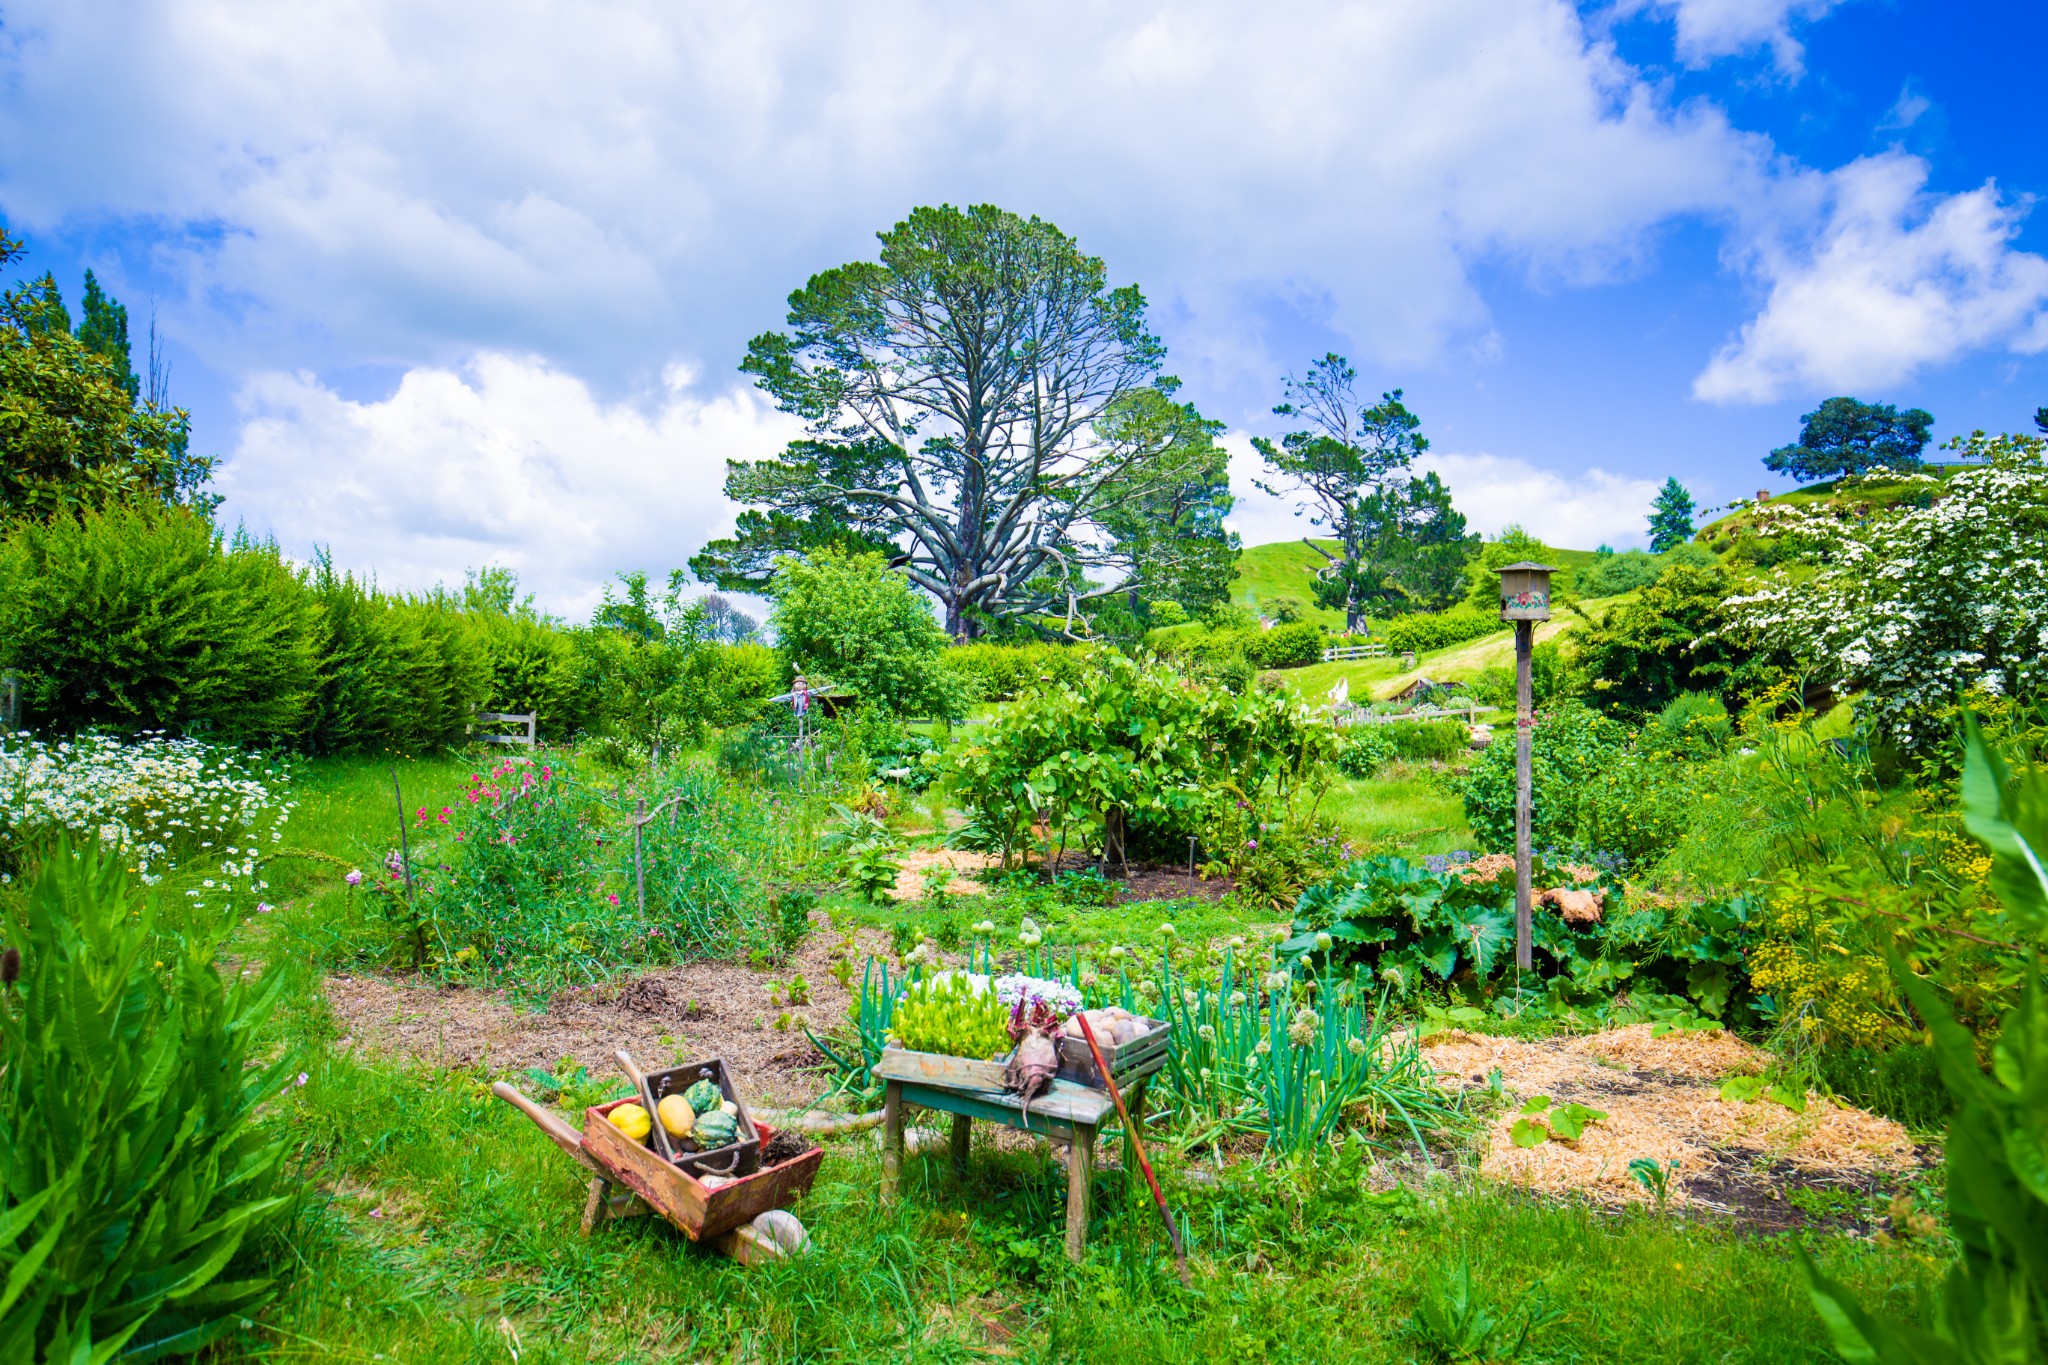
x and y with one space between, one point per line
456 283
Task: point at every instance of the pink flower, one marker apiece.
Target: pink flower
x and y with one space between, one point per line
458 836
613 898
444 815
262 907
546 772
354 877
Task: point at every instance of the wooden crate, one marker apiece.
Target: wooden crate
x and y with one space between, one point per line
1128 1062
939 1068
699 1211
742 1157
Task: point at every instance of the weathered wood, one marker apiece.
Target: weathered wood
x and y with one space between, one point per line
892 1141
529 719
939 1068
1525 723
698 1210
607 1201
1080 1175
963 1142
1128 1062
559 1130
1054 1113
739 1155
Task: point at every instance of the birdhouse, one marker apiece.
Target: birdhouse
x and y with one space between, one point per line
1525 591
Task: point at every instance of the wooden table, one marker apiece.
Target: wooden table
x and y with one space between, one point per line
970 1090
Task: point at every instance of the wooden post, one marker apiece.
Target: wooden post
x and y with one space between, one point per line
404 850
892 1142
1080 1173
1525 721
639 868
963 1139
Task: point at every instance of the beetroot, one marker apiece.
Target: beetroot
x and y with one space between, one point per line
1032 1068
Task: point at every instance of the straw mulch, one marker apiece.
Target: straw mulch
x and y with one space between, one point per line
1662 1100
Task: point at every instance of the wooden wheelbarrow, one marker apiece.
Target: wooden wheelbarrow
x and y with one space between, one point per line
742 1219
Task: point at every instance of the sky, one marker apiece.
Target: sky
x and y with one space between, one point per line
447 284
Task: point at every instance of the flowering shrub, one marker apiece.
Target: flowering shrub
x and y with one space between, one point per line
161 804
1918 605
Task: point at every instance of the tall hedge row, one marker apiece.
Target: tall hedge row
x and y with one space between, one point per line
144 618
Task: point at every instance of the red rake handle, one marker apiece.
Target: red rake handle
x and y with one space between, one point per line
1138 1147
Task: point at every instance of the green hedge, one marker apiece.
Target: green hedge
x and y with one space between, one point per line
998 672
149 618
1439 630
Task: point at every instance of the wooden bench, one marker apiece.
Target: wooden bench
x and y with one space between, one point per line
504 717
970 1090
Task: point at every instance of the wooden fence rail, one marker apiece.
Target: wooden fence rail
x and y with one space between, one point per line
503 717
1377 649
1470 715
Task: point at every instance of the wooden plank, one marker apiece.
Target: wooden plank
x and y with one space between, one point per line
892 1141
1003 1109
937 1068
696 1209
1080 1171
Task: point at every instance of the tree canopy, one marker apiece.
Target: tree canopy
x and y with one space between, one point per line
72 431
1670 517
854 623
1845 436
980 404
1396 537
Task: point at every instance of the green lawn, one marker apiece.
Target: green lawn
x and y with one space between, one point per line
442 1227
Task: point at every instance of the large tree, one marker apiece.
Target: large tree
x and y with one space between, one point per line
956 392
1845 436
1164 523
72 433
1343 464
1412 550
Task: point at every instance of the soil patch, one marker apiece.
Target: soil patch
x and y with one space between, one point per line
705 1009
1662 1100
1139 882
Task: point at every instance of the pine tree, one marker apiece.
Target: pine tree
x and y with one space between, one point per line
1670 517
104 331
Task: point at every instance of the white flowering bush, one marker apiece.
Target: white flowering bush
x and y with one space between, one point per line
165 805
1917 606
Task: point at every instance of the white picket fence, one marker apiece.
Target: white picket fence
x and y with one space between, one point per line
1376 649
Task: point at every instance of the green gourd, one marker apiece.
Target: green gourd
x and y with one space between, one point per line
715 1129
703 1096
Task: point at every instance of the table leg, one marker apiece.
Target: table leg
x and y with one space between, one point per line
892 1141
593 1204
963 1136
1080 1167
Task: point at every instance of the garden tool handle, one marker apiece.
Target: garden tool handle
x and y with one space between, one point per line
1138 1148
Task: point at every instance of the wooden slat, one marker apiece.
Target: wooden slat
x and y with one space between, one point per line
937 1068
559 1130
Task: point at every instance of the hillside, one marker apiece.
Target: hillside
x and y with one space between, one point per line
1719 533
1287 568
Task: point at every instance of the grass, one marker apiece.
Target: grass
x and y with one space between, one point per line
439 1226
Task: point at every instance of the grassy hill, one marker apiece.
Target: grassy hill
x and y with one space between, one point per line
1287 568
1718 533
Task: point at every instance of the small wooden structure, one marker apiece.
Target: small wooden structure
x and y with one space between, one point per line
629 1180
527 719
1375 649
969 1090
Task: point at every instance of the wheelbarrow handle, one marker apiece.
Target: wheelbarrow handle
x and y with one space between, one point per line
559 1131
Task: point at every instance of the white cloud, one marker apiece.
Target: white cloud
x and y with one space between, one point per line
1710 29
1892 280
506 461
405 183
1570 511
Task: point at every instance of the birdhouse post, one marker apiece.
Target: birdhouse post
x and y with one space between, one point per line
1524 600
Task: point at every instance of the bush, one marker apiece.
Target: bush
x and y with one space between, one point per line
132 1171
1365 749
1551 678
1288 646
852 621
1168 613
531 665
1613 574
999 672
140 618
1440 630
1592 793
1439 740
396 673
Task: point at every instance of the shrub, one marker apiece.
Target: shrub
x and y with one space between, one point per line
1168 613
1440 630
1288 646
852 621
1551 678
397 673
988 671
1364 750
1592 793
1642 654
143 618
1441 740
132 1171
531 665
1612 574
